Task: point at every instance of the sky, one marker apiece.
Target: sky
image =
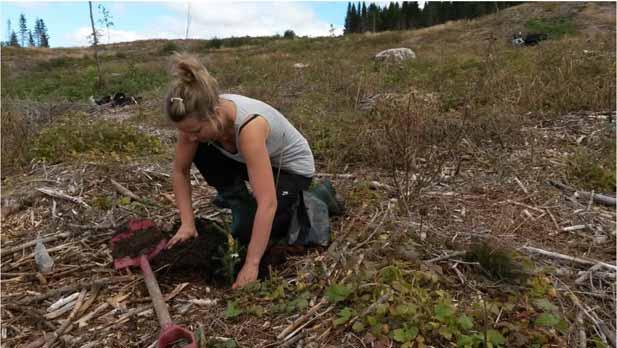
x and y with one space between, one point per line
68 23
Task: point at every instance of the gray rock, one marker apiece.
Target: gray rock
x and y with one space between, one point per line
395 54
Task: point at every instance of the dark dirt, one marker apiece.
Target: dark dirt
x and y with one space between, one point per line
140 243
206 257
201 256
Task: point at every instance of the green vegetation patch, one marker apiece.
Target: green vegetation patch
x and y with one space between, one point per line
77 136
554 27
76 80
594 170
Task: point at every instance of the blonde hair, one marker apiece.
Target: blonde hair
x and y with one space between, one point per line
192 92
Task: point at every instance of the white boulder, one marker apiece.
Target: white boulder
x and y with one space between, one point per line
395 54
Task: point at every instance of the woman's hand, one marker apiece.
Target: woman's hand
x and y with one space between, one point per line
184 233
247 275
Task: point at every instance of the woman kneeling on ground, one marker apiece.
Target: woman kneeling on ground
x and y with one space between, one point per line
232 138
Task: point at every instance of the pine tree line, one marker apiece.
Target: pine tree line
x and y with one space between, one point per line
38 37
408 15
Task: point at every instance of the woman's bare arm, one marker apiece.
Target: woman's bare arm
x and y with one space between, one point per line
252 145
181 182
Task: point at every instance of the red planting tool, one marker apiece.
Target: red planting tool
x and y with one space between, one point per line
170 332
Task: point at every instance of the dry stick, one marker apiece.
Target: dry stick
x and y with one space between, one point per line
295 332
586 274
339 176
95 292
91 227
604 330
332 248
31 313
21 247
552 218
525 205
29 257
83 320
69 320
377 229
582 336
569 258
370 308
446 257
601 199
300 320
520 184
79 285
57 194
123 190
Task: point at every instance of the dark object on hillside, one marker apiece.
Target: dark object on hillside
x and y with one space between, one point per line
118 99
529 39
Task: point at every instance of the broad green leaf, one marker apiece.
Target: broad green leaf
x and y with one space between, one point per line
545 305
445 332
232 310
257 310
443 311
358 326
343 316
547 319
278 292
337 293
389 274
403 335
404 310
464 322
495 337
465 341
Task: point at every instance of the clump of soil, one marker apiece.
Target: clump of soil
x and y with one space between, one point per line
204 256
141 242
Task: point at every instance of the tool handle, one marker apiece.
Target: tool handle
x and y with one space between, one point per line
155 293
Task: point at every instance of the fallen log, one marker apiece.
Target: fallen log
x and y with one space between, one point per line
597 198
569 258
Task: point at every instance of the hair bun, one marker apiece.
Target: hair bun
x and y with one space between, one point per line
186 67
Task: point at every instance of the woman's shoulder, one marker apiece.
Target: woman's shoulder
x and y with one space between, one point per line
241 98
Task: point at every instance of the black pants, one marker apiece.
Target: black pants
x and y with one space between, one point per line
227 176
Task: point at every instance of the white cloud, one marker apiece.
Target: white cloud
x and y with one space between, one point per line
81 37
216 19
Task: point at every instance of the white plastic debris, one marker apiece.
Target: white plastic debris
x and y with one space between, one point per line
43 261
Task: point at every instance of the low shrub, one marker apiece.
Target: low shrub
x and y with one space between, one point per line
169 48
554 27
77 136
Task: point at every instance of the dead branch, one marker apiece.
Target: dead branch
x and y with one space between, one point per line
21 247
80 285
31 312
69 320
586 274
124 191
597 198
568 258
57 194
301 320
446 257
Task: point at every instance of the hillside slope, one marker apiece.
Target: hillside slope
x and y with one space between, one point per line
443 161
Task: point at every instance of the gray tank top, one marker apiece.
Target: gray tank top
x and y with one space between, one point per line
287 148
